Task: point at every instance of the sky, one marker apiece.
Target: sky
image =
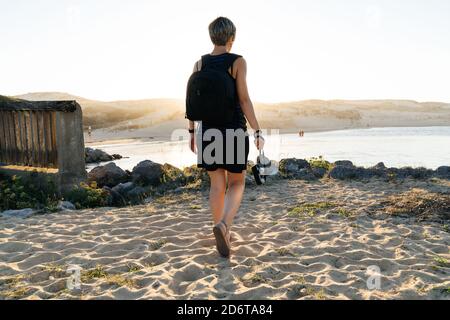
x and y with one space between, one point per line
295 50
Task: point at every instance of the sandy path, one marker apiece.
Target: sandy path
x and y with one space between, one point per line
166 249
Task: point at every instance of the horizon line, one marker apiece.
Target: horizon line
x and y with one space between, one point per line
255 101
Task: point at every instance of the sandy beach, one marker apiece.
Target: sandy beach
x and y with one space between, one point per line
291 240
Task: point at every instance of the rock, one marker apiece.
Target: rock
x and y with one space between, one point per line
24 213
109 175
137 195
65 205
443 172
116 156
297 169
96 155
147 173
124 188
408 172
319 172
400 173
422 173
379 166
378 170
344 172
292 165
344 163
115 199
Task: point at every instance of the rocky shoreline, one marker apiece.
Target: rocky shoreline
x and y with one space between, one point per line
97 156
149 180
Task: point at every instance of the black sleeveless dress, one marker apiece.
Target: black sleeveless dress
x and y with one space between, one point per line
234 136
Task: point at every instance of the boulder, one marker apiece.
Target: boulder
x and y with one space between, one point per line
319 172
137 195
408 172
379 166
422 173
344 163
379 170
147 173
345 171
96 155
109 175
65 205
24 213
114 199
443 172
296 169
124 188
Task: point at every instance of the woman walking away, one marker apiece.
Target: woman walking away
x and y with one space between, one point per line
222 140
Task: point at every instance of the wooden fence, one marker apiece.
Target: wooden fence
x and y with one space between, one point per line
42 134
29 138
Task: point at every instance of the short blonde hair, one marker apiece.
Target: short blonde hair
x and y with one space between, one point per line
221 30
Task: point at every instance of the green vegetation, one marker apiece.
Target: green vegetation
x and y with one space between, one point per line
7 99
33 192
87 196
317 294
320 162
114 279
254 279
299 279
11 287
196 177
55 270
284 252
172 176
309 209
344 213
40 192
133 268
157 244
119 280
15 293
96 273
441 262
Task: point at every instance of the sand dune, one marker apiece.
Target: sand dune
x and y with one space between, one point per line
165 249
158 118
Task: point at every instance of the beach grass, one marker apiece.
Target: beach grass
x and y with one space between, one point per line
156 245
309 209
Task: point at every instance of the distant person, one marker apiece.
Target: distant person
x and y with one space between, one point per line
227 177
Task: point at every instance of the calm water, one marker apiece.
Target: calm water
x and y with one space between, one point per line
396 147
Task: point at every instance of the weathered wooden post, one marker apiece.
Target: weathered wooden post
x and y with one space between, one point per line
44 137
70 146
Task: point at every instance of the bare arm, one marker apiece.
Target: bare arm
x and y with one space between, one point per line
244 97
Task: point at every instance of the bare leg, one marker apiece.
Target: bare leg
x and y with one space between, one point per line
233 197
217 193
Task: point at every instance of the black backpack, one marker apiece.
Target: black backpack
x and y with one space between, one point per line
211 93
